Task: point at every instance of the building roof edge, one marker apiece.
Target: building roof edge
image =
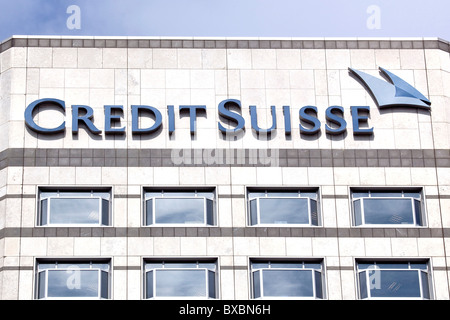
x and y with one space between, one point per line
225 42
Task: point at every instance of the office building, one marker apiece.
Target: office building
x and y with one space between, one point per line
224 168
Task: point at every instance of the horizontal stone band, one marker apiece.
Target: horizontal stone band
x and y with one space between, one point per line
29 157
310 232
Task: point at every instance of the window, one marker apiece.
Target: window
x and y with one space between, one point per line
287 279
391 207
74 207
393 279
72 280
288 207
192 207
180 279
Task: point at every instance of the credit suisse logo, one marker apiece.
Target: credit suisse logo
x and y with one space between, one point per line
394 94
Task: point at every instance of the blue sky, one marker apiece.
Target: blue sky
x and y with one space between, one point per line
229 18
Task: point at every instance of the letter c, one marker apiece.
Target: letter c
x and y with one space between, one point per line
29 116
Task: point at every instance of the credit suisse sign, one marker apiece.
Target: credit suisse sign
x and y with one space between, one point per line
394 93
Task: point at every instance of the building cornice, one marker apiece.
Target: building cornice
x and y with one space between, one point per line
223 42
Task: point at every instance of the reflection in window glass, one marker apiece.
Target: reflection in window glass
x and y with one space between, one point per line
287 283
193 208
388 211
181 283
287 279
283 208
387 208
288 210
180 279
173 210
72 208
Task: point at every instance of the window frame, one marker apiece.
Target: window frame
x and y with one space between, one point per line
399 190
428 273
57 190
163 261
37 280
171 190
321 271
268 190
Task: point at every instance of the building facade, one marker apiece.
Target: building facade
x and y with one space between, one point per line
219 168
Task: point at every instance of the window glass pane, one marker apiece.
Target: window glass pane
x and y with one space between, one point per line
43 266
297 265
383 194
388 211
284 211
415 195
390 265
314 213
357 212
102 194
207 265
180 283
425 286
153 265
397 284
318 282
362 285
187 211
210 212
149 195
42 283
313 265
73 265
149 284
253 212
74 210
105 212
101 266
259 265
418 212
73 283
256 284
421 266
287 283
363 266
46 194
206 194
44 208
149 212
175 194
283 194
256 194
311 195
211 284
180 265
104 285
360 194
86 194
